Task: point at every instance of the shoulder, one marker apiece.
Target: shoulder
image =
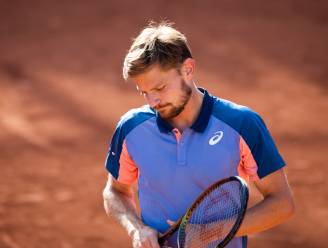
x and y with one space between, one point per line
253 131
127 123
235 115
135 117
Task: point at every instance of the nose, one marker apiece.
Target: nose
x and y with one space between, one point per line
153 100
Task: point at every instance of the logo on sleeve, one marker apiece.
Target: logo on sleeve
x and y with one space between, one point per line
216 138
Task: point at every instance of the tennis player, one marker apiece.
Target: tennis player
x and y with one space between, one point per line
164 154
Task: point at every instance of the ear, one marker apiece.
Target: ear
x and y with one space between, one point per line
188 68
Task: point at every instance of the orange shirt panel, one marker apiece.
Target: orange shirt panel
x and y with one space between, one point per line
247 167
128 173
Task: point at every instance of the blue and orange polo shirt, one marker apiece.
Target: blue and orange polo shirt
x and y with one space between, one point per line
171 168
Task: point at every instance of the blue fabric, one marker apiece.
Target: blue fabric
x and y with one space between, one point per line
130 120
245 241
251 127
173 173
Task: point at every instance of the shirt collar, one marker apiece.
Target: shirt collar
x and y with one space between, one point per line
200 123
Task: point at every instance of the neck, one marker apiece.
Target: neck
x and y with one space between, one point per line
191 111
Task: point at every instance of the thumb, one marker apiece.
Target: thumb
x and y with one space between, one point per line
170 222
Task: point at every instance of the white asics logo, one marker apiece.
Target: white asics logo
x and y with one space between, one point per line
216 138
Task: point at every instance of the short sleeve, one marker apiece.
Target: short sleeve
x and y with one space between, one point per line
128 173
128 122
261 144
112 162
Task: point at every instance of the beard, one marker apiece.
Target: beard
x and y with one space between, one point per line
172 110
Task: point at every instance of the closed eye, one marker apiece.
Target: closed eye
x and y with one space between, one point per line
162 87
157 89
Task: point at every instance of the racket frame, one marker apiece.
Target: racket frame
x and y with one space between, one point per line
184 219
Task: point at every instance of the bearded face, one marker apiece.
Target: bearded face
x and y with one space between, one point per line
172 109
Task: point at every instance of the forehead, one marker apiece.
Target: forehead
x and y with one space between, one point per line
154 77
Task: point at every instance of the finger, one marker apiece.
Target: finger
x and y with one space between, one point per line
150 242
145 244
154 243
170 222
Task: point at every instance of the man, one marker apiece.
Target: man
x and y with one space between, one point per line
169 151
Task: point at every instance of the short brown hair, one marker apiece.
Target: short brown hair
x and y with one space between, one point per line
156 44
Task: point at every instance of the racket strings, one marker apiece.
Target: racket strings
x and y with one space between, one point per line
213 218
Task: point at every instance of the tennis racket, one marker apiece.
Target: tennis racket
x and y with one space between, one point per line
214 218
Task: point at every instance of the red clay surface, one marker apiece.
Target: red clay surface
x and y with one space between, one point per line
62 94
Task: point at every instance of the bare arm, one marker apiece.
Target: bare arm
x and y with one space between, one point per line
118 202
276 207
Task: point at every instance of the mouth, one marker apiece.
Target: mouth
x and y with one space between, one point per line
159 109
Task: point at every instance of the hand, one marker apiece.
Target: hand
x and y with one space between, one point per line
145 237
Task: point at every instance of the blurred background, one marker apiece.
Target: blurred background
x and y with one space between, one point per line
61 94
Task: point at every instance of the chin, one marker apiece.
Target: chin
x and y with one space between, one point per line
165 116
169 115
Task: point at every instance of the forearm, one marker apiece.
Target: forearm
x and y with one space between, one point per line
271 211
121 207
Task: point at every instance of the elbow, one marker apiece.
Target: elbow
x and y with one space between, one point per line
289 208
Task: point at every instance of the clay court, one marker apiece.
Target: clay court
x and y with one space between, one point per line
61 94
